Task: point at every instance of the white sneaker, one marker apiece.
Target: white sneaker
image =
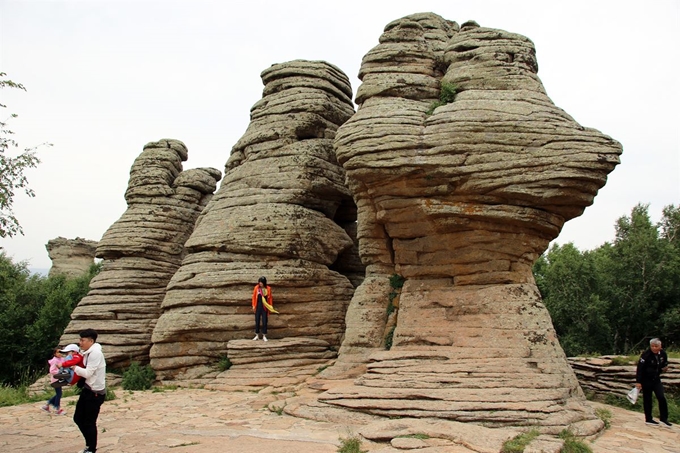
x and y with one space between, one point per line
264 337
257 337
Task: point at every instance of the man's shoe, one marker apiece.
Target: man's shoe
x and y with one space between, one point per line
60 412
264 337
666 424
46 407
652 423
257 337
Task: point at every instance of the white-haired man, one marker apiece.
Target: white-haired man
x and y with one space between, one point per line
652 363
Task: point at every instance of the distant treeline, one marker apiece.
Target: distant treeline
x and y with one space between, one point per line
614 299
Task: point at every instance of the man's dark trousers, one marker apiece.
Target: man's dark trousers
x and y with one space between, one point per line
649 388
85 416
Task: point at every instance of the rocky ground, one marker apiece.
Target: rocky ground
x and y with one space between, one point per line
196 420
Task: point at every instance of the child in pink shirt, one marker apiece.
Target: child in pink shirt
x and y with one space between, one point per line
55 364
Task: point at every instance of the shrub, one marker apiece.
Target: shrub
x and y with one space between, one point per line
396 281
224 364
447 94
350 444
138 377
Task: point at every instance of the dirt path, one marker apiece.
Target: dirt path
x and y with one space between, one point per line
192 420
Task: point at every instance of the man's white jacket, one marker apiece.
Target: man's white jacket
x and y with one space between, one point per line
95 368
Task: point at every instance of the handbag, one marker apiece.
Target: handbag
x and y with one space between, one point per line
632 395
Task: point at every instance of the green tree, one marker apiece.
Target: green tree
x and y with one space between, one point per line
34 312
614 298
568 282
12 177
636 273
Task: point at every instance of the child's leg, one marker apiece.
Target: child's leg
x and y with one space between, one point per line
56 399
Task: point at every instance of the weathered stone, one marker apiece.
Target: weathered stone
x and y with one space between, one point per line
282 211
142 250
70 257
459 199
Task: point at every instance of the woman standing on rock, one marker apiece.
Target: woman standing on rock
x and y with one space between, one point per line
262 305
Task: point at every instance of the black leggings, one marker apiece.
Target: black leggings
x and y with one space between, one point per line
657 388
261 315
85 416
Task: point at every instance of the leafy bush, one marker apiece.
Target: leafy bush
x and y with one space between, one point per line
396 281
447 94
518 443
138 377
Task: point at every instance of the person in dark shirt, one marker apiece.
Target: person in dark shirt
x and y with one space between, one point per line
652 363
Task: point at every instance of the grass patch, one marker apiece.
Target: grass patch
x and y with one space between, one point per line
620 401
389 338
572 444
625 360
605 415
420 436
350 444
277 409
518 443
13 396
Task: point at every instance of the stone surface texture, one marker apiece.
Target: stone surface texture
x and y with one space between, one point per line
460 202
70 257
283 212
142 250
193 420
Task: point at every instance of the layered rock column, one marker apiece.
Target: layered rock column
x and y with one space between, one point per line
283 212
70 257
460 200
142 250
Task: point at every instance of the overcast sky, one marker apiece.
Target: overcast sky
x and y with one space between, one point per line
104 78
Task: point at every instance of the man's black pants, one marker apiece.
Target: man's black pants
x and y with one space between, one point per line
656 388
85 416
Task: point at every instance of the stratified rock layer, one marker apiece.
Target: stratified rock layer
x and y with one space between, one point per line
70 257
142 250
460 201
282 211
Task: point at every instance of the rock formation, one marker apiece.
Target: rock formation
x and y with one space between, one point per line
459 199
282 211
142 250
70 257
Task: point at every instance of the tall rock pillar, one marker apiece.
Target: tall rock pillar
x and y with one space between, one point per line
141 251
459 198
283 212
